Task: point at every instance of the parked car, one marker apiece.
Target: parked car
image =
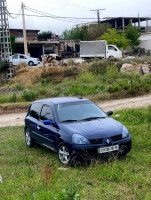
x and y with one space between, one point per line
19 58
70 125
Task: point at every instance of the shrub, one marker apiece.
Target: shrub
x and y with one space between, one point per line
123 84
70 71
19 87
87 77
111 74
55 93
45 81
4 66
29 95
42 91
13 98
99 67
147 87
114 88
134 87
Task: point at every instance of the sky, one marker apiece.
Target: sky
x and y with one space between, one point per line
70 8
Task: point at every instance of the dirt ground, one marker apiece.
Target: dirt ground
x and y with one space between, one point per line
17 119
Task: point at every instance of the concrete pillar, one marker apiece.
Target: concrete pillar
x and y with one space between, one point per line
43 49
139 23
147 24
123 24
132 21
116 24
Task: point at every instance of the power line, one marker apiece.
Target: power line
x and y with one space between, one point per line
54 16
46 16
9 14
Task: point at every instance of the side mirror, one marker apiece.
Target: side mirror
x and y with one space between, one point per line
48 122
109 113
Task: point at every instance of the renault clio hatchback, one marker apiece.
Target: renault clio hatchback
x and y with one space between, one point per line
70 125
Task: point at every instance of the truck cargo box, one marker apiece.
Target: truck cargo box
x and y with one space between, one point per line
90 49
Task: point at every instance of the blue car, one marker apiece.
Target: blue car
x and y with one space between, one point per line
71 125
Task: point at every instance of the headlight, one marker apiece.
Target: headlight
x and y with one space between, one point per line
79 139
125 132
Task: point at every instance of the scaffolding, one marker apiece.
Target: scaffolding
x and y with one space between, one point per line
4 32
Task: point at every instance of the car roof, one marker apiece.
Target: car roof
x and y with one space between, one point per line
59 100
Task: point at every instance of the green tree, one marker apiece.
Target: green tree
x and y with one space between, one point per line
12 40
133 34
45 35
85 32
117 38
74 33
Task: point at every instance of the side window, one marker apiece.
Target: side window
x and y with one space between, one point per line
35 110
22 57
15 57
111 48
46 113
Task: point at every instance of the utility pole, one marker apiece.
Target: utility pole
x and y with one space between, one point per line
98 14
24 30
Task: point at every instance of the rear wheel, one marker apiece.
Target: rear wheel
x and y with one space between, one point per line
29 141
63 154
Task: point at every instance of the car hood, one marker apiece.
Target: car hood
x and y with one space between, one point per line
95 129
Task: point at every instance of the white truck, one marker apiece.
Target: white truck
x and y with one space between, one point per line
100 49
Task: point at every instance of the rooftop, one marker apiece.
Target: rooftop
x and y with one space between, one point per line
59 100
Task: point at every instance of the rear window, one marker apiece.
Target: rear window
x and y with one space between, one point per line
35 110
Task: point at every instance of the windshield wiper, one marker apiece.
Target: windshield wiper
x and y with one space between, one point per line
91 118
70 120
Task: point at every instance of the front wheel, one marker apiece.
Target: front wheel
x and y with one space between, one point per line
31 63
29 141
111 57
63 154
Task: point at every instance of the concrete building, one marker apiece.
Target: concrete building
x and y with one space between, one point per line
121 23
35 48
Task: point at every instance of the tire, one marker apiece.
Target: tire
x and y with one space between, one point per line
63 154
31 63
111 57
29 141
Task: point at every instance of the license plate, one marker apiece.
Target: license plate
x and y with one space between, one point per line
108 149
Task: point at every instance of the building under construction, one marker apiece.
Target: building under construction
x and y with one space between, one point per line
121 23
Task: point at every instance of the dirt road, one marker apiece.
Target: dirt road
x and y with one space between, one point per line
17 119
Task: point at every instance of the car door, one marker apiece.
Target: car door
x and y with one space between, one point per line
48 133
23 58
32 120
15 59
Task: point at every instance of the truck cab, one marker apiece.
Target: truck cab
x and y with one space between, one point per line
113 52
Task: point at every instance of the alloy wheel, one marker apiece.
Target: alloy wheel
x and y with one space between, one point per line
64 155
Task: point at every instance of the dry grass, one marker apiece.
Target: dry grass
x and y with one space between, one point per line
55 73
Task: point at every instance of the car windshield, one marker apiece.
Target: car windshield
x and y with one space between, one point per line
79 111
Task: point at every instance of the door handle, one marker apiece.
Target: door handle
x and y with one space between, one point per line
38 127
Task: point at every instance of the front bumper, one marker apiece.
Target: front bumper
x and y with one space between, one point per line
124 147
